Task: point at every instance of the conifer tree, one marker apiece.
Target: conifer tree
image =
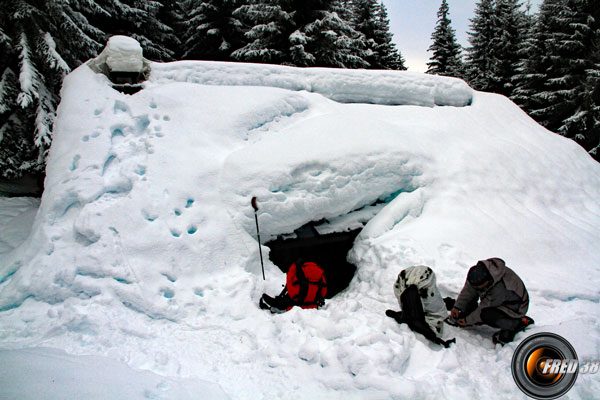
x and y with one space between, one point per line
210 31
497 31
530 73
31 72
480 56
512 27
301 33
172 14
332 41
135 18
527 51
577 91
561 77
446 59
370 18
270 22
390 55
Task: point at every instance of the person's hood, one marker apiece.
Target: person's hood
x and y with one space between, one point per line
496 267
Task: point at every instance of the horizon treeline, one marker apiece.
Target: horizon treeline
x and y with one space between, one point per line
548 63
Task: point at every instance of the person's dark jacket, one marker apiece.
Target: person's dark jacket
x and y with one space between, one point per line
507 293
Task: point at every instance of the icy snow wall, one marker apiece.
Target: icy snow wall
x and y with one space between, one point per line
143 248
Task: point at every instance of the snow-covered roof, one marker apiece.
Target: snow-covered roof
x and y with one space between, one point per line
144 245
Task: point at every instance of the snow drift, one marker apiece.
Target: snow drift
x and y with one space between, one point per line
143 247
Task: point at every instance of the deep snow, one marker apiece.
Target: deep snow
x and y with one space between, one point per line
16 218
42 373
143 249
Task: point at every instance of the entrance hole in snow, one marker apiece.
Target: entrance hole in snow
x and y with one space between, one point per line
327 250
327 242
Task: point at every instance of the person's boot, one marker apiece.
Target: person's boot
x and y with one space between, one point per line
397 315
525 323
263 303
276 305
503 336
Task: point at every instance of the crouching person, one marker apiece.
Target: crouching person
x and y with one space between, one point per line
423 309
494 295
305 287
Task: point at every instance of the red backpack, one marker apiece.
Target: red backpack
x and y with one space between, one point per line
307 285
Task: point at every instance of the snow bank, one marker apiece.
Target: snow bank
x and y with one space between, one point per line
16 219
344 86
143 249
42 373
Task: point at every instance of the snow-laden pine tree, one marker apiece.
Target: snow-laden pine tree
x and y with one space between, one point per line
526 80
325 37
390 55
156 37
136 18
446 58
270 23
480 56
173 15
575 72
31 72
513 31
210 31
301 33
370 18
585 124
560 84
331 40
497 31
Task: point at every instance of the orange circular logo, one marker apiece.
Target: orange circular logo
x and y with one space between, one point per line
545 366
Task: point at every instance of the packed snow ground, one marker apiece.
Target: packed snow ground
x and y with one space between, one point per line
16 218
42 373
143 248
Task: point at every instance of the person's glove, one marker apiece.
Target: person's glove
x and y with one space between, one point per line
455 313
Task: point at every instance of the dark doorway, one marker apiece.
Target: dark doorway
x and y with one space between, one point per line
128 82
327 250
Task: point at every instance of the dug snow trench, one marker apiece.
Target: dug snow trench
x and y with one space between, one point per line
144 247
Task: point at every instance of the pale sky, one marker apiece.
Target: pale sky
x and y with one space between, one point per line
412 22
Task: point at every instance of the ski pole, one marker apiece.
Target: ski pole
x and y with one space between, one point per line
253 202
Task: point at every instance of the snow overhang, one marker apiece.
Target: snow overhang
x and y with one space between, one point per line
341 85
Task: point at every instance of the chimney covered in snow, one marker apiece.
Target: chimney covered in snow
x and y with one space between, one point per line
123 63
